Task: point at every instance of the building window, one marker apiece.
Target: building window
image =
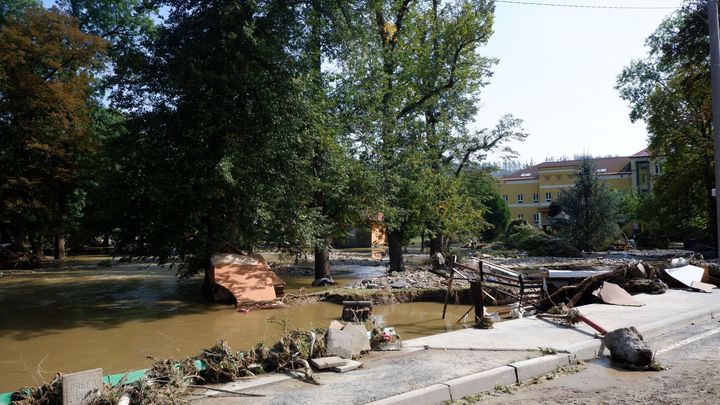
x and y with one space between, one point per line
505 197
558 177
520 198
536 218
548 197
658 169
521 216
547 177
536 197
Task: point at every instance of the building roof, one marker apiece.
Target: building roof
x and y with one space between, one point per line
643 153
604 166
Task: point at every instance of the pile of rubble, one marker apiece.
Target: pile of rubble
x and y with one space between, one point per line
419 279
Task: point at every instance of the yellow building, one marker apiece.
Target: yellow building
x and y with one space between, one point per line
529 192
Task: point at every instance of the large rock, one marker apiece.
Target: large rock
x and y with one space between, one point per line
627 347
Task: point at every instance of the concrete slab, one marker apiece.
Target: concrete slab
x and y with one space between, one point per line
481 382
528 369
322 363
249 383
349 366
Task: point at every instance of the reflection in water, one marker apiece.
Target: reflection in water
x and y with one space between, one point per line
72 320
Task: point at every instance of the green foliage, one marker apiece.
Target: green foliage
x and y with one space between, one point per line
481 186
523 236
590 210
232 141
670 91
15 8
414 72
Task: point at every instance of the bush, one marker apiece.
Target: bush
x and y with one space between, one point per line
521 235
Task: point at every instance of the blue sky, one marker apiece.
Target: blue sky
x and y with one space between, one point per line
557 71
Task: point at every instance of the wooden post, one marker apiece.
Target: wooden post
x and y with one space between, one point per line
477 296
522 290
449 287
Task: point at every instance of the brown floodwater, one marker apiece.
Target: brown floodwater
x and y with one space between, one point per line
75 319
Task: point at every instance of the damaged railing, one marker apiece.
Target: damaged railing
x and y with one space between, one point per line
527 291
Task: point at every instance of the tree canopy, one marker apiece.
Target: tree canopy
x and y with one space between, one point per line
669 90
45 136
180 128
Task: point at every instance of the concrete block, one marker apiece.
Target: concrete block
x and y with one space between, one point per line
431 395
585 350
538 366
77 387
481 382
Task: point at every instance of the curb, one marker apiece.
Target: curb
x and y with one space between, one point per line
430 395
527 369
482 381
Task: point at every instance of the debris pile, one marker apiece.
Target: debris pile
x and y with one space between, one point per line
17 257
420 279
168 380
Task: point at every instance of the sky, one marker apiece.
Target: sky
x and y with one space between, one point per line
557 71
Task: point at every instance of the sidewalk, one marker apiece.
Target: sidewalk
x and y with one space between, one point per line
451 365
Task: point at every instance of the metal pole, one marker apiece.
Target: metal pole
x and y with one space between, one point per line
714 29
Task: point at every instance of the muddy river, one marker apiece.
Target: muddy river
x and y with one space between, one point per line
75 319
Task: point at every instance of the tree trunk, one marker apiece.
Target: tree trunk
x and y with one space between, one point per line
19 237
37 248
322 262
105 241
208 285
436 244
60 247
395 251
422 242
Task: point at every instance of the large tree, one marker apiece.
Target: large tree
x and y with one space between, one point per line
590 211
414 64
45 102
226 147
670 91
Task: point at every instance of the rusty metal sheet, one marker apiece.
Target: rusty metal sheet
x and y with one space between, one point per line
248 278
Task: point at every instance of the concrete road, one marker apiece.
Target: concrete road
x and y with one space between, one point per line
692 355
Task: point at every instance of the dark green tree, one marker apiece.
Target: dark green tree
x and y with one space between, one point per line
227 146
591 211
669 90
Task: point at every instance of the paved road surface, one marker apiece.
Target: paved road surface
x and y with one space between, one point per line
693 377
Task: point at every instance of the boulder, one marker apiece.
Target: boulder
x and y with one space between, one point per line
628 348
